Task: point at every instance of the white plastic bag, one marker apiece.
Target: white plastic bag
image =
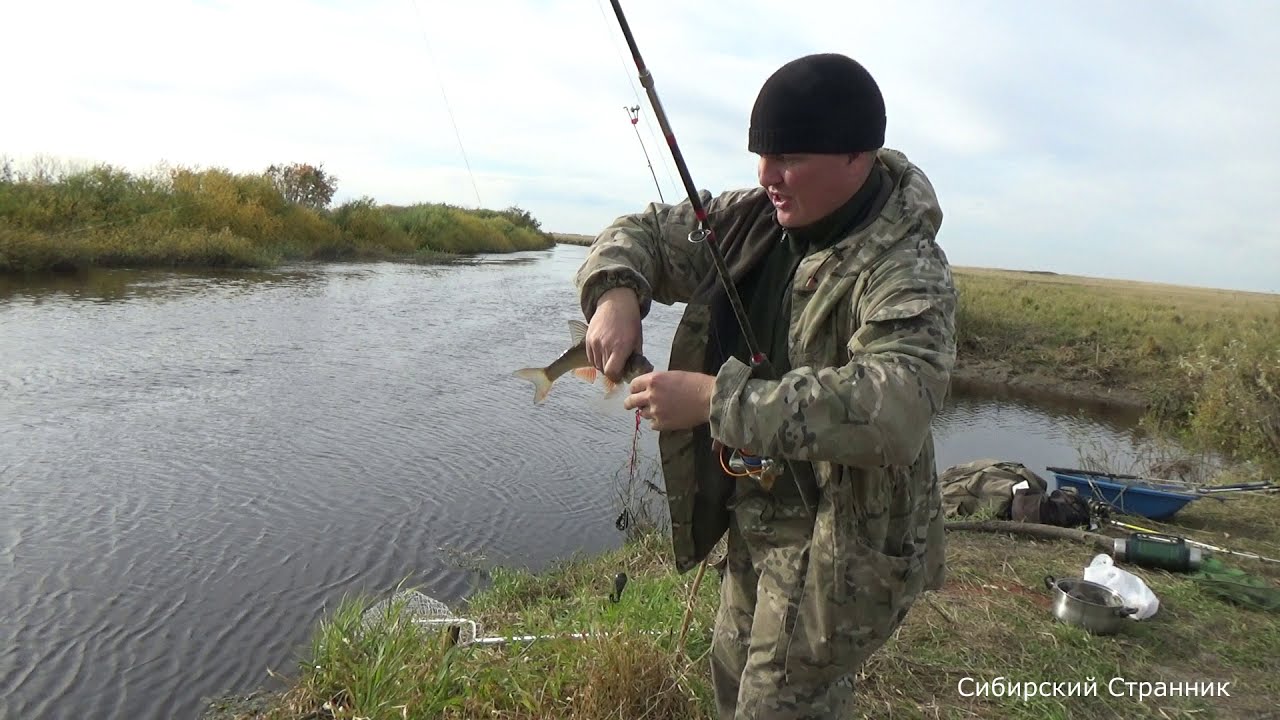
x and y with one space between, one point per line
1135 592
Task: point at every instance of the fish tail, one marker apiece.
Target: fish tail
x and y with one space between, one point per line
541 382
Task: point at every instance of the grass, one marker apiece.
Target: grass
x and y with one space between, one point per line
991 620
573 238
626 668
1204 364
66 219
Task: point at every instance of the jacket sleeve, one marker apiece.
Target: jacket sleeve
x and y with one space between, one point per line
874 410
650 253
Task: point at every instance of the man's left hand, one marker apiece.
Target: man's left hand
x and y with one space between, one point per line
672 399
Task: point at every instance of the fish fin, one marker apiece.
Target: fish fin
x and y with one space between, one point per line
541 383
588 374
610 387
577 331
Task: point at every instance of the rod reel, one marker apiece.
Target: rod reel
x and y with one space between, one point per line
742 464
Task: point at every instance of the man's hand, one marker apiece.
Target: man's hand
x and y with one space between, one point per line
672 399
614 332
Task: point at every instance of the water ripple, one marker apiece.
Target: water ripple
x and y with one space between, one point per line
196 468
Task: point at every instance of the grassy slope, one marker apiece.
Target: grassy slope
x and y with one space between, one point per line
1104 331
992 619
1204 363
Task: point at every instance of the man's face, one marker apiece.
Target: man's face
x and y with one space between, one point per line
806 187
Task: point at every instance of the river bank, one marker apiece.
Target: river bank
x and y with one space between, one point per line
573 238
999 378
1201 365
991 621
74 219
1021 334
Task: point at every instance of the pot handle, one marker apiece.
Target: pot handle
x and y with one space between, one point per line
1125 611
1050 582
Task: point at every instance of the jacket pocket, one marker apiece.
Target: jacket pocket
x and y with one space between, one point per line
873 588
880 590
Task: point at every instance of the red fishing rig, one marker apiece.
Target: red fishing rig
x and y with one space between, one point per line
633 112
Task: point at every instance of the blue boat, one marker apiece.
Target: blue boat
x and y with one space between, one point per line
1128 494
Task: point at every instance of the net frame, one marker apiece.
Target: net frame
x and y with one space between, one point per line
421 609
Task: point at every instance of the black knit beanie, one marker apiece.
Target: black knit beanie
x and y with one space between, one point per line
825 103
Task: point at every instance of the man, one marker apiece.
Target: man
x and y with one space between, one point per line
853 303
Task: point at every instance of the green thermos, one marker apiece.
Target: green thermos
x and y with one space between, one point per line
1157 551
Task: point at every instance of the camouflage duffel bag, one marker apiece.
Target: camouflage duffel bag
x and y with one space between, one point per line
985 484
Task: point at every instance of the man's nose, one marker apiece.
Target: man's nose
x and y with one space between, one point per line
769 172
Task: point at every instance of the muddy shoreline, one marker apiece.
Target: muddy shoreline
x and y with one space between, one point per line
997 379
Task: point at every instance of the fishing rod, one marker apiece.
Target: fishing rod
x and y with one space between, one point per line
633 112
1189 541
604 18
704 233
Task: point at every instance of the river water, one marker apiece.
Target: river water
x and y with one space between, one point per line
194 467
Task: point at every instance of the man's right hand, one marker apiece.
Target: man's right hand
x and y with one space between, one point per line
614 332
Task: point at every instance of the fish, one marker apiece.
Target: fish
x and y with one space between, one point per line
574 361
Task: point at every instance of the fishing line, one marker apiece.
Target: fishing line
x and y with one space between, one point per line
633 113
422 27
626 71
704 234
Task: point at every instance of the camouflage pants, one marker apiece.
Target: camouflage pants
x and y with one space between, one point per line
803 604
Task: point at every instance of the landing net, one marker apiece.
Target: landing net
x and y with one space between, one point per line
423 610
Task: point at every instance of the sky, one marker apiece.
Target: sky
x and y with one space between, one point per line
1136 140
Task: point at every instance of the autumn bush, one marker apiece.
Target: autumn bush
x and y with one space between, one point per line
54 217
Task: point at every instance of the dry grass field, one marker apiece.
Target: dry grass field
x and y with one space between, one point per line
1203 364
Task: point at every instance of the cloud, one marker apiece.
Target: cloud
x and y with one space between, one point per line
1128 140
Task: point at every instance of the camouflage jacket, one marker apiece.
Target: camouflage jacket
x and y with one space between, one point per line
872 345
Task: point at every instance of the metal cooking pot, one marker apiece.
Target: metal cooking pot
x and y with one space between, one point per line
1096 608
